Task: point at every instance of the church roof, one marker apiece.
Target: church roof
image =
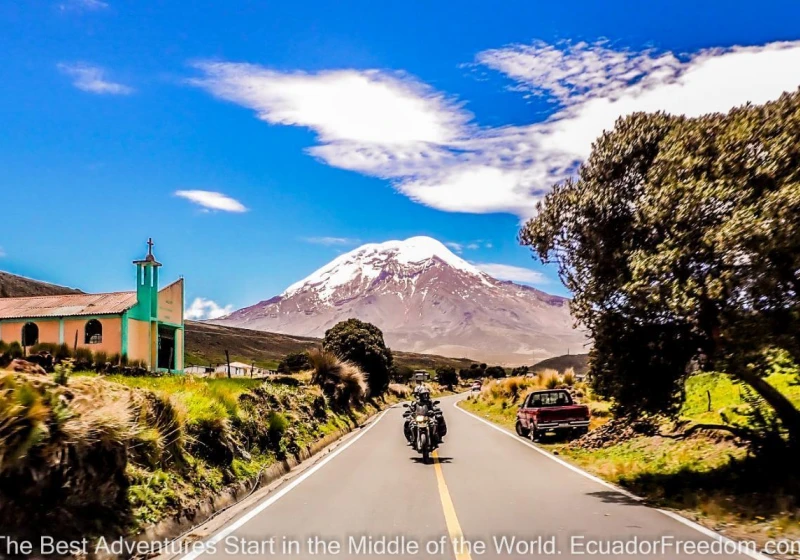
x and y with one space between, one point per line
66 305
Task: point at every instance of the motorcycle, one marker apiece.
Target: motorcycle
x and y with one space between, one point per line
422 430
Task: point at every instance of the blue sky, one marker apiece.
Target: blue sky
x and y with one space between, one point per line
322 125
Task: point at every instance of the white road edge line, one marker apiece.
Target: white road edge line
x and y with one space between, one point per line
671 514
228 529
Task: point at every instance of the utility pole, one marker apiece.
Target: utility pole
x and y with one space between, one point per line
228 360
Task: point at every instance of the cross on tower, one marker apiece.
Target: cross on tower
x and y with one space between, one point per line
150 246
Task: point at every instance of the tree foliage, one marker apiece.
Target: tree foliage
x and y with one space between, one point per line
294 362
520 371
362 344
495 371
679 240
447 376
401 373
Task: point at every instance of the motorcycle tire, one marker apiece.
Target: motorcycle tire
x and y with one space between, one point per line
425 448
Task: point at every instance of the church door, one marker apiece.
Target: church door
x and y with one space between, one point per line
166 348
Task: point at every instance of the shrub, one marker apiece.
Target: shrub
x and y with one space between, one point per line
342 381
447 376
212 439
25 412
62 371
495 371
552 381
66 455
294 362
160 413
514 387
277 423
40 347
401 374
14 351
361 344
399 390
100 360
569 377
62 352
84 359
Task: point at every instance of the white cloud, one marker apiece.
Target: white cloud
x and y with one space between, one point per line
369 107
571 72
87 77
459 246
390 125
211 200
83 5
329 241
513 273
202 308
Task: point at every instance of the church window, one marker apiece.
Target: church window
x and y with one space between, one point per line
94 332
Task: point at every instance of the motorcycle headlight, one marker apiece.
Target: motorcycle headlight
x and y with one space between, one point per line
422 419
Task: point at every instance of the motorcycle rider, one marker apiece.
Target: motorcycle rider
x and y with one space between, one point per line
422 401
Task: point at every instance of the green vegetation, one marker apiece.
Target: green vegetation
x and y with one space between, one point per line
343 382
710 475
206 345
499 399
447 377
111 454
679 242
362 344
294 362
50 356
477 371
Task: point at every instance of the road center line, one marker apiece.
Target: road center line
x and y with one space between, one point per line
450 517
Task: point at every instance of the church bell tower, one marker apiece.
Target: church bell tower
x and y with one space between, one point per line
147 285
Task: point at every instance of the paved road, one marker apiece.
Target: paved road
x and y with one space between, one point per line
484 486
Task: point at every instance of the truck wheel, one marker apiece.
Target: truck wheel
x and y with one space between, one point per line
521 431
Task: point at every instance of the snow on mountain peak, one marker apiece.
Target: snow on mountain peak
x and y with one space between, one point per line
366 262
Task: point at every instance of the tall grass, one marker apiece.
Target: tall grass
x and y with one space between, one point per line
399 390
343 381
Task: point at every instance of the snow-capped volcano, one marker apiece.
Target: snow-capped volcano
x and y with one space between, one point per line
360 267
425 299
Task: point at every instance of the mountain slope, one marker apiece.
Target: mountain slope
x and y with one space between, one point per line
206 344
425 299
12 285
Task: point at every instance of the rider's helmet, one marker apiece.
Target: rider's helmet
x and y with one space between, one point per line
423 394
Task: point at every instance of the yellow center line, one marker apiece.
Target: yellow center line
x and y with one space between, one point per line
450 517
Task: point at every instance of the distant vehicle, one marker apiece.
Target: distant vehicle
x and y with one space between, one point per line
421 375
551 411
476 386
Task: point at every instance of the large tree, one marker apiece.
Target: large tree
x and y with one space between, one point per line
362 343
447 376
679 239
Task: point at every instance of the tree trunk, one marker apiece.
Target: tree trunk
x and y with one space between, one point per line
784 409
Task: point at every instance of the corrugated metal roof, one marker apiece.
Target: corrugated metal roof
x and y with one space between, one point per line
66 305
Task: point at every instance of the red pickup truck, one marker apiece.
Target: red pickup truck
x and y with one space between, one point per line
551 411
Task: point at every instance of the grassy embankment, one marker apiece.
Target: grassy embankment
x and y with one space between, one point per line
709 476
113 455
